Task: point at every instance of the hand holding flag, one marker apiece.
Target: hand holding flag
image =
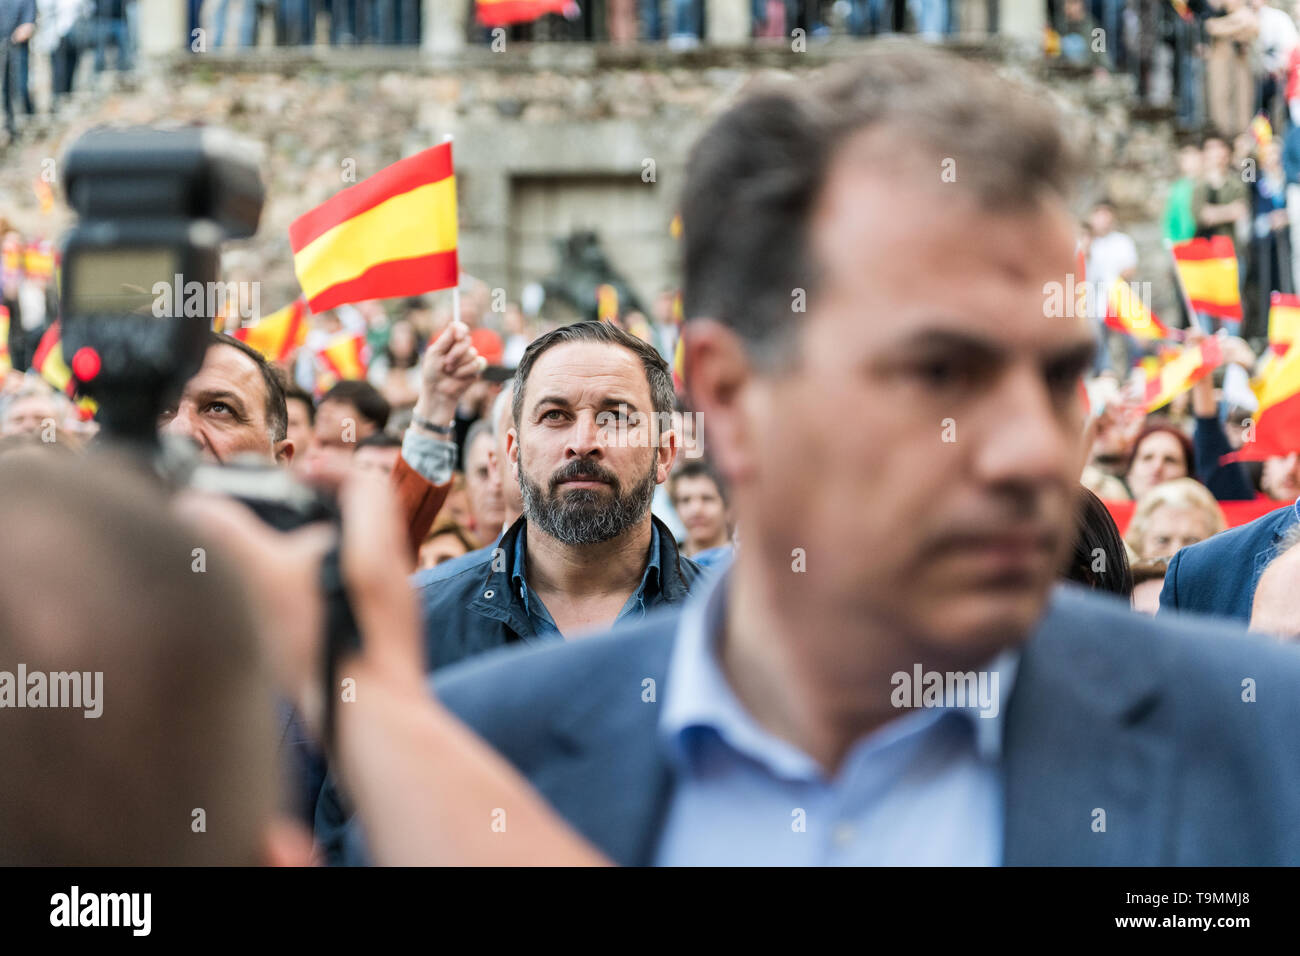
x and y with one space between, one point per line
449 366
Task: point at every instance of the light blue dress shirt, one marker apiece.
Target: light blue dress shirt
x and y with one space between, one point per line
922 790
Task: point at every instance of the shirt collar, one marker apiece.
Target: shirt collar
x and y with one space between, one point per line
698 696
650 578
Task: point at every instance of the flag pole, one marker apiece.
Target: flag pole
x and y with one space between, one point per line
1182 290
455 290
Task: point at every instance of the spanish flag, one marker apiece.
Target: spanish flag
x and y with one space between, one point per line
1182 372
502 13
343 357
6 363
1283 321
679 363
1277 420
1126 312
391 235
606 303
1208 271
1261 129
278 334
39 260
48 360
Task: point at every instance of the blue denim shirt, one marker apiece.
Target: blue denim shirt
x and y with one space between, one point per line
544 625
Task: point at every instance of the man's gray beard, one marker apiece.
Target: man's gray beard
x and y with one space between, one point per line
582 515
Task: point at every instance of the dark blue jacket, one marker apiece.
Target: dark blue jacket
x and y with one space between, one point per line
473 609
1109 709
1218 575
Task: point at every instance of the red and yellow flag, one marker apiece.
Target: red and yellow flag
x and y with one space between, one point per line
1277 420
1283 321
49 361
391 235
278 334
1208 271
1126 312
44 195
38 260
606 303
343 357
502 13
1261 129
6 363
1188 367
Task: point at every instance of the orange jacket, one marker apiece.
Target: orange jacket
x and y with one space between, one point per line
420 501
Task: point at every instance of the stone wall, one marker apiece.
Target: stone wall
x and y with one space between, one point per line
547 138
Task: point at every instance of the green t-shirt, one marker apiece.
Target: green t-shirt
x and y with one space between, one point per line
1179 221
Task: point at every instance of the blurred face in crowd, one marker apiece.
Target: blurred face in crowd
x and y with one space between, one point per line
1189 162
500 473
1216 155
1146 596
456 506
925 437
300 426
1280 479
401 340
376 459
223 410
587 452
1101 220
439 548
339 426
1171 527
699 506
484 495
514 319
29 413
1159 458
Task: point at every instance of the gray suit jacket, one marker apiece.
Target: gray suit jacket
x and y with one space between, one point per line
1142 718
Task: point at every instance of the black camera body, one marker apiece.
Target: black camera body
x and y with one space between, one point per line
153 208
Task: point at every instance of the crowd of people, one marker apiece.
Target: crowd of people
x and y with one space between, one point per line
890 486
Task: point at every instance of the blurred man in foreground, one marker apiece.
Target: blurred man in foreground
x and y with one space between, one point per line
168 760
884 675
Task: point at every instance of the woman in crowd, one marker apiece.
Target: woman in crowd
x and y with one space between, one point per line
396 373
1160 453
1173 515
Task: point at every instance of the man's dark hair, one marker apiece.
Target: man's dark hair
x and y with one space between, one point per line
187 716
699 468
277 412
756 174
364 397
656 369
380 440
295 392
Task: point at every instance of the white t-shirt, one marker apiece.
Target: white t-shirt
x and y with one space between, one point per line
1108 257
1276 39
